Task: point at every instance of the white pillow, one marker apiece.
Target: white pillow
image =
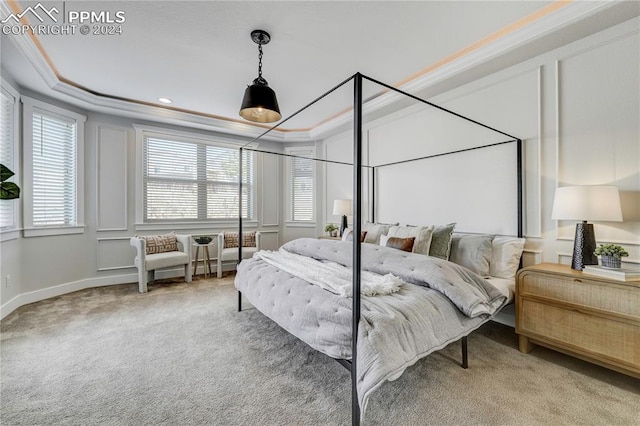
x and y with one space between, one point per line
505 256
422 235
374 230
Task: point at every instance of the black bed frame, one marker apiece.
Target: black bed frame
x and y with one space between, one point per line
357 210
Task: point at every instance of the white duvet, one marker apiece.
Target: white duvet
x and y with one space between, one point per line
330 276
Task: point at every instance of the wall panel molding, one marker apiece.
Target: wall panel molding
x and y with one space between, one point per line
264 209
594 140
111 181
563 255
114 253
532 145
531 257
537 170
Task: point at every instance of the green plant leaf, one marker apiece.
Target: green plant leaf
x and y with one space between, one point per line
5 173
9 191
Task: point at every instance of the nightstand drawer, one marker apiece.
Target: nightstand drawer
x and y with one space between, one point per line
584 333
599 295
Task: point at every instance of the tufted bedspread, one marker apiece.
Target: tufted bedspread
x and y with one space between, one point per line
442 303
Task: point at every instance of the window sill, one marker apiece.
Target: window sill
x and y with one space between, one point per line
300 224
9 234
222 225
54 230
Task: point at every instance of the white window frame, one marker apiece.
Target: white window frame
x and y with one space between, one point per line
13 232
302 151
29 106
141 132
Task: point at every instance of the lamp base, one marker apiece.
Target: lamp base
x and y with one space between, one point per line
343 225
583 247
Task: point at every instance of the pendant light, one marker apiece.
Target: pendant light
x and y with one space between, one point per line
259 103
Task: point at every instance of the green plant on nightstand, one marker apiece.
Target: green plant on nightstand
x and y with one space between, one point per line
331 229
611 255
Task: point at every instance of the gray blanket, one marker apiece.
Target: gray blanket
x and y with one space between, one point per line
442 303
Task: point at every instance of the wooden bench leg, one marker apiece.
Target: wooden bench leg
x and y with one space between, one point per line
195 269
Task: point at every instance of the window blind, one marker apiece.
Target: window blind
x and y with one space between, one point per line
54 170
300 181
194 181
7 157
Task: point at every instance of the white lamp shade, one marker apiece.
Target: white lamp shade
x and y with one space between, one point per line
342 207
595 203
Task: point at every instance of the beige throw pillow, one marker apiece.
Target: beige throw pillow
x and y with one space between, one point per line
160 243
422 235
231 239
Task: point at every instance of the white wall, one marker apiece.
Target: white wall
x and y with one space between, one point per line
577 109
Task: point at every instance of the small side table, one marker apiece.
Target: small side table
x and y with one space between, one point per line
206 260
326 237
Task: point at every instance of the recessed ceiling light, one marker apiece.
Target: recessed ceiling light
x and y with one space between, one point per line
165 100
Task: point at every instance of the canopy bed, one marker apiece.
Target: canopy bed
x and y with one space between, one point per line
378 336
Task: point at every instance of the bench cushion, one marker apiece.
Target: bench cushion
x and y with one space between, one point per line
164 260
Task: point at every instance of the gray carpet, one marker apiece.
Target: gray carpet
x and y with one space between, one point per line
182 355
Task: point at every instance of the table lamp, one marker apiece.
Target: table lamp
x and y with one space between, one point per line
342 208
584 203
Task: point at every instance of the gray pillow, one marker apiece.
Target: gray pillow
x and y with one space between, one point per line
441 241
473 252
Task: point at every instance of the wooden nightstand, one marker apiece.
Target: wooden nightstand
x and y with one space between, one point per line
589 317
326 237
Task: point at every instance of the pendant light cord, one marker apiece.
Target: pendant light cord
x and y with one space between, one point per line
260 61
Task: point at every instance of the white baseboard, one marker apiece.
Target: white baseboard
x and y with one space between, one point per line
58 290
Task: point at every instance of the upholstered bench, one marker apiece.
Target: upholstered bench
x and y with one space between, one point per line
228 246
161 251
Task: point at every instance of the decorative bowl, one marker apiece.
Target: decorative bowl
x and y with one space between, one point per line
203 240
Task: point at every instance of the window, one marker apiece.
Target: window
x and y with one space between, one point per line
54 171
8 155
188 180
300 184
53 153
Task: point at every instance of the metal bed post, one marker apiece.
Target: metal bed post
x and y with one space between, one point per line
357 229
357 208
239 223
465 358
373 194
520 189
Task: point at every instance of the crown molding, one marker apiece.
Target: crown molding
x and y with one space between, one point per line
568 14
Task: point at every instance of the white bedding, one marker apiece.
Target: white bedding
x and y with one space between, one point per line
440 303
506 286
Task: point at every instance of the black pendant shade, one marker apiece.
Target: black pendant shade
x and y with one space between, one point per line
259 103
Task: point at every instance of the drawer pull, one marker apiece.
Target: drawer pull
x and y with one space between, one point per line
577 280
